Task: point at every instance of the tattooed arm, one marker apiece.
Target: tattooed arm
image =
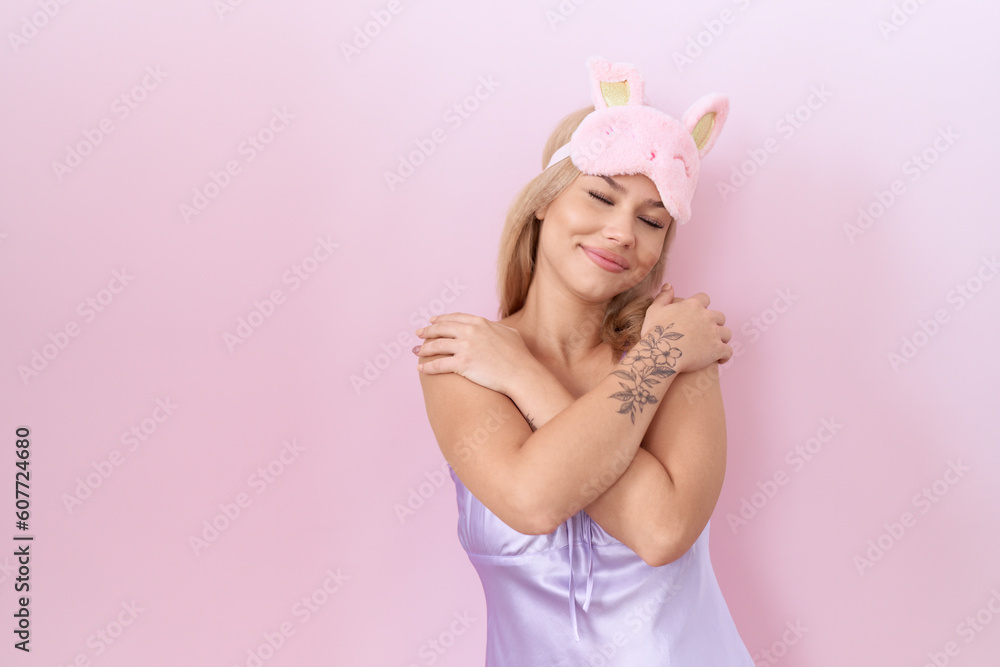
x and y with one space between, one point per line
535 480
632 509
594 443
685 442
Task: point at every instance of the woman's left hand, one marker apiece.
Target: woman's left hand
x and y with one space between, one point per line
488 353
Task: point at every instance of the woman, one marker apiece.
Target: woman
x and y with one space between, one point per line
587 459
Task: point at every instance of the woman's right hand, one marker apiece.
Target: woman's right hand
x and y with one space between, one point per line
684 333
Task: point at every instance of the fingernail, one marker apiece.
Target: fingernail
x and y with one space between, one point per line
415 348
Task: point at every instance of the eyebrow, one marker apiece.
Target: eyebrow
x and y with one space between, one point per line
621 188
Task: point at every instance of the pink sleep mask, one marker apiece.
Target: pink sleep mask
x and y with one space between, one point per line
623 135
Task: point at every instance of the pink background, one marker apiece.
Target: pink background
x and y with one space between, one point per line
114 515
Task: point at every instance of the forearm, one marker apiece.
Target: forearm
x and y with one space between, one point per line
688 437
539 396
579 451
629 510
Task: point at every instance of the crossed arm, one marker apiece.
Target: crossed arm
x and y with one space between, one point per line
664 498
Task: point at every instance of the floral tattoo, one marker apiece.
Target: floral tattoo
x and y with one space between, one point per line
654 358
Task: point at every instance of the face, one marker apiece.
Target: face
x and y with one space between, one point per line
603 234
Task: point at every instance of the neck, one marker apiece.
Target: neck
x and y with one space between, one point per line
558 326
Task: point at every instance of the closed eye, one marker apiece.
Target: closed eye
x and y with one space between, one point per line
648 221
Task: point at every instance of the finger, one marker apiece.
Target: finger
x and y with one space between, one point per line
666 294
702 298
449 328
455 317
726 334
729 355
435 366
436 346
444 317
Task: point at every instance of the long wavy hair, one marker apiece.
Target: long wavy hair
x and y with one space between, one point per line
626 311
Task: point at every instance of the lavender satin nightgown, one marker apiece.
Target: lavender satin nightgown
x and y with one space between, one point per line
578 597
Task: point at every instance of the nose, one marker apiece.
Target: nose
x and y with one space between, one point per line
620 226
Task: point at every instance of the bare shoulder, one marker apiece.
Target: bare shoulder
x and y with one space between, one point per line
479 432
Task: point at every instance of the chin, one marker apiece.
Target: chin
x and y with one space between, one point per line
608 289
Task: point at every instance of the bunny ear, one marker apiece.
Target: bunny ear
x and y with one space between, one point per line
704 120
614 84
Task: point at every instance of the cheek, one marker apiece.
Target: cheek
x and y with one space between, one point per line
553 235
651 255
567 222
575 222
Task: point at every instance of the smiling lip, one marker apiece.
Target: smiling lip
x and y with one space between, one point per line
604 258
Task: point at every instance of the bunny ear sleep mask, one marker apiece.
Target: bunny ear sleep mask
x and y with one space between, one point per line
624 135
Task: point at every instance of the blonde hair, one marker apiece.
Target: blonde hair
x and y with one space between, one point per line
519 246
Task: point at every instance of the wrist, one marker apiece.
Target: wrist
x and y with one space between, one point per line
639 372
642 355
524 375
